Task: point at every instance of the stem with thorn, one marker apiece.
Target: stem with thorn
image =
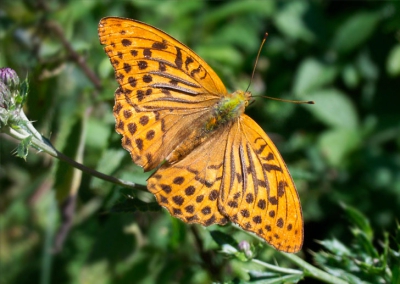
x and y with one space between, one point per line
43 144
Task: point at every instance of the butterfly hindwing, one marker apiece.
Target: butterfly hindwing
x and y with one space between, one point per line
190 188
257 191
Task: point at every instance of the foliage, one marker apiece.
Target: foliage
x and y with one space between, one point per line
344 149
360 262
365 259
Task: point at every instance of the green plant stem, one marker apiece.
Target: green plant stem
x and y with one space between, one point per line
29 126
42 144
277 268
312 271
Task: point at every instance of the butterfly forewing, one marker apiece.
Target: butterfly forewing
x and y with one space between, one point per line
137 49
147 134
161 81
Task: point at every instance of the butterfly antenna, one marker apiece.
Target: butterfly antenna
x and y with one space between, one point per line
258 56
254 71
289 101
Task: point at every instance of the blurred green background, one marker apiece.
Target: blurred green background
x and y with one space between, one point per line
343 55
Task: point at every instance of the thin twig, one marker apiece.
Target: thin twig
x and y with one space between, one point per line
44 145
76 57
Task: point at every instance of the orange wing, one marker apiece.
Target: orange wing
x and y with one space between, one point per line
166 92
237 174
165 88
257 191
190 188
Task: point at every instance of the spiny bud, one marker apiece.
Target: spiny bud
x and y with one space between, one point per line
10 98
9 77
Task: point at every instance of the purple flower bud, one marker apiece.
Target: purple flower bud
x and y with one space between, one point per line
245 247
12 96
9 77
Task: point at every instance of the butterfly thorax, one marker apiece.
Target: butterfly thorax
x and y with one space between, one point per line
225 112
228 109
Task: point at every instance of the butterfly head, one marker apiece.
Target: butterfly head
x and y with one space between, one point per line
234 104
242 99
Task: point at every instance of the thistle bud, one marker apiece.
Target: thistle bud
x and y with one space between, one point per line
9 77
10 98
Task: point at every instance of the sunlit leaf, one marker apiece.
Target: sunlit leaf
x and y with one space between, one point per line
336 247
393 61
354 31
335 144
359 220
311 75
97 134
289 20
350 76
333 108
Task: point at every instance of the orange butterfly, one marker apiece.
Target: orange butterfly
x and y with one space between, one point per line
217 164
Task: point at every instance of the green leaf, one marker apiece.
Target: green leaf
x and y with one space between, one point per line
23 147
312 75
335 144
23 92
367 66
236 35
333 108
105 68
225 54
94 271
364 242
134 173
97 134
68 178
232 8
109 162
130 205
397 238
355 31
396 274
359 220
335 246
393 61
289 21
221 238
350 76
